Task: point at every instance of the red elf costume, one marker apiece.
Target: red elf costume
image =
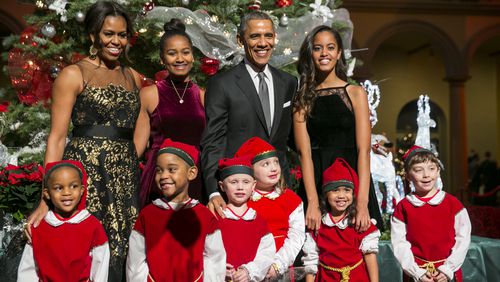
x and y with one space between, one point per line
336 252
281 208
176 241
247 240
430 233
66 249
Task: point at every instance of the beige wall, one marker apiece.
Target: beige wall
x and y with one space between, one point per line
482 105
405 78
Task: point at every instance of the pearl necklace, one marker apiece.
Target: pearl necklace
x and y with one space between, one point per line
181 98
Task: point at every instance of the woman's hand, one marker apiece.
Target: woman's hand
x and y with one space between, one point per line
313 216
35 218
362 219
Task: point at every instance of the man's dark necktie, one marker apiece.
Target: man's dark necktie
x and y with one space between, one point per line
264 100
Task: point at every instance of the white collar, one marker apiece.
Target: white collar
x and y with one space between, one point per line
342 224
271 196
249 215
54 220
436 199
253 73
161 203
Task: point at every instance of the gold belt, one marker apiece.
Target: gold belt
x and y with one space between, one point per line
345 271
429 265
197 279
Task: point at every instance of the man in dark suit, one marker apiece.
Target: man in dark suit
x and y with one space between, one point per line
251 99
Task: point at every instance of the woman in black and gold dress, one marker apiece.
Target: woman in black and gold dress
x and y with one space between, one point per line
100 97
331 120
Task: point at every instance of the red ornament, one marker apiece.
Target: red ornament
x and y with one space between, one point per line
148 6
283 3
161 75
133 39
254 5
27 34
209 66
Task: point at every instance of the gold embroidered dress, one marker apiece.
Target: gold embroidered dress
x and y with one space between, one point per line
104 117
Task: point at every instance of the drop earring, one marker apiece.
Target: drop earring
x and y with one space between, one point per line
93 52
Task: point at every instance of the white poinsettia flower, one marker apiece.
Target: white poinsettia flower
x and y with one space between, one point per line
321 11
59 6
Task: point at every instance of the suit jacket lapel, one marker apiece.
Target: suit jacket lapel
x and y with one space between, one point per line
245 83
279 98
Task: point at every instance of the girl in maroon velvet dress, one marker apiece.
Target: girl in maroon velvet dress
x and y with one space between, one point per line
173 108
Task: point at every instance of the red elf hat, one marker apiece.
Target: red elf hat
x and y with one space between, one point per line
52 166
257 149
184 151
413 151
230 166
340 173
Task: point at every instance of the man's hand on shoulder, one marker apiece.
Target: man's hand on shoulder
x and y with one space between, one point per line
217 204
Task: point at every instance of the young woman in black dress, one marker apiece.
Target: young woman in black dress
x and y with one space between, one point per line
331 119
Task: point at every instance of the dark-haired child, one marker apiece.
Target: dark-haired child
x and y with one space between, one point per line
176 238
279 206
430 229
337 252
69 244
248 242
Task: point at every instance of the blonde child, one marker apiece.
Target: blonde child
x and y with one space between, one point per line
280 207
248 242
430 229
175 238
337 252
70 244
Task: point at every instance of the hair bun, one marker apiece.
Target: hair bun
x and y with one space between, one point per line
174 25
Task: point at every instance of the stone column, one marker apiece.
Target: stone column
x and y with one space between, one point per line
457 171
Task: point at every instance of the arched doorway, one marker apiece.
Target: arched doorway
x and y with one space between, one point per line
406 124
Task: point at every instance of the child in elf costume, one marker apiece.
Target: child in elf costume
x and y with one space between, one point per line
175 238
430 229
248 242
279 206
337 252
70 244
